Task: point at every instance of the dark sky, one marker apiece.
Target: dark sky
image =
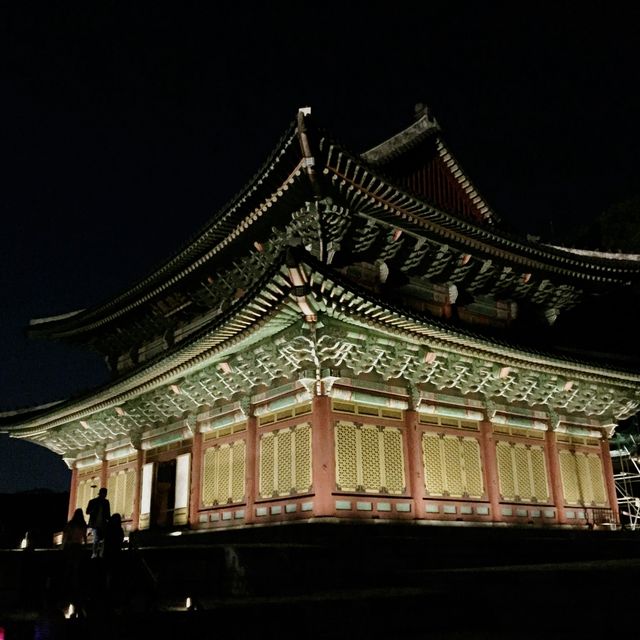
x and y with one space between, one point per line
123 130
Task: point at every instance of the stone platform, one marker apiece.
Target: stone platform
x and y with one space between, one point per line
329 579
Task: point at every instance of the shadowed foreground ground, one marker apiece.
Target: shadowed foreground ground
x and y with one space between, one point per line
331 580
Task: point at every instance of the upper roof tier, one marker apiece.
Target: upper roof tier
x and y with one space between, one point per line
405 205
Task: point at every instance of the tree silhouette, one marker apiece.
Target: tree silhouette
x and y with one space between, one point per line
616 229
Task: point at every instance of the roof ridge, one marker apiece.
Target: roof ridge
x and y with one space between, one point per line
398 143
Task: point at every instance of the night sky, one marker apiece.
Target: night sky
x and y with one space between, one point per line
122 131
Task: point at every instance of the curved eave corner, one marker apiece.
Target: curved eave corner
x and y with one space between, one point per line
215 232
264 309
603 256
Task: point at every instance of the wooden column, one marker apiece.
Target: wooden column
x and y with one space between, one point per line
140 459
195 493
492 482
251 467
73 492
322 454
607 468
104 472
554 473
415 462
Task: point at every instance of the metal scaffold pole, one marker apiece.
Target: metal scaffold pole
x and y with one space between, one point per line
626 477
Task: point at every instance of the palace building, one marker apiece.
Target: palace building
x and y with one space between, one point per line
353 336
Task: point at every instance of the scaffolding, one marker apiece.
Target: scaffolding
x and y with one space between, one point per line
627 478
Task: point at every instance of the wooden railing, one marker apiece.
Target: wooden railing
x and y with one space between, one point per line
601 517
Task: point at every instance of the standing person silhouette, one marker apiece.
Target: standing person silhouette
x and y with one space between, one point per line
74 537
112 546
99 512
113 537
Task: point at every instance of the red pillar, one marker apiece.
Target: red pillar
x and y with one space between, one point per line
250 468
73 491
415 462
135 518
557 492
492 482
196 478
322 457
104 472
607 468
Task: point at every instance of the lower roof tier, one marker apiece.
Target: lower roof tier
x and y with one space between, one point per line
302 325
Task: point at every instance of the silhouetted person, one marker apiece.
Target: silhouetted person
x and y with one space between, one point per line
113 539
75 531
74 536
99 512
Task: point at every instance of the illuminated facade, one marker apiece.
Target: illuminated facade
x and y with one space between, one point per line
348 338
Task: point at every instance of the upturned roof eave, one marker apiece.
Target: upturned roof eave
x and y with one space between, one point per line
183 262
170 364
449 227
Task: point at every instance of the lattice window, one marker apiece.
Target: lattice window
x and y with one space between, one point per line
284 414
569 474
346 457
238 471
121 483
506 429
120 492
223 474
209 476
522 472
303 456
371 411
111 492
582 478
597 479
268 464
393 460
285 461
371 479
506 473
221 432
284 477
87 489
521 457
474 483
452 423
539 472
452 465
129 492
433 464
369 458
